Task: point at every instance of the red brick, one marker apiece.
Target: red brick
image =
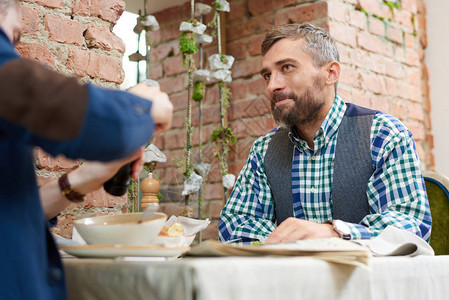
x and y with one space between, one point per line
343 33
350 77
64 30
398 110
374 44
213 191
239 90
256 7
376 26
102 37
169 14
247 67
108 10
30 20
211 232
373 83
360 98
338 11
51 3
409 5
415 111
254 45
56 164
180 100
155 71
257 86
414 76
395 69
210 115
95 65
409 40
173 84
376 7
105 67
404 18
102 199
249 28
259 106
238 11
78 61
380 103
214 209
37 52
418 131
170 31
302 13
237 50
164 50
173 66
175 139
395 34
358 19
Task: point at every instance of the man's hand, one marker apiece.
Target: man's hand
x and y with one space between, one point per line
162 108
293 229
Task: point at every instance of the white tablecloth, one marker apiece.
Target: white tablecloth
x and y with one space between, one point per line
390 278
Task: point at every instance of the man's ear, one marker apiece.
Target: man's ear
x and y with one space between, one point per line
333 72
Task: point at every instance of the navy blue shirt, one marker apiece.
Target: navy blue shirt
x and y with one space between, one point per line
115 124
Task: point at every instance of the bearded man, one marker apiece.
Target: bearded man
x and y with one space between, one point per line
331 169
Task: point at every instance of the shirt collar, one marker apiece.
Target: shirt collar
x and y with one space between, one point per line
327 129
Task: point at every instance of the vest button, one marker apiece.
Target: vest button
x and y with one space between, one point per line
312 190
313 157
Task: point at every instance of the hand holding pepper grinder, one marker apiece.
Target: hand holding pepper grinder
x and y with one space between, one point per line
118 185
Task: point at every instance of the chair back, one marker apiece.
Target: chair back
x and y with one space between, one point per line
437 187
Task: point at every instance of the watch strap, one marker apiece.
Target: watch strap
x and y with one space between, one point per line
67 190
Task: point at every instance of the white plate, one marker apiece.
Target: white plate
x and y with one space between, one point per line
111 251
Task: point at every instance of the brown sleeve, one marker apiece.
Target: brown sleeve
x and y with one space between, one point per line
47 103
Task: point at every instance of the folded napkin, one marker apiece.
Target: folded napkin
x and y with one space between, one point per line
397 242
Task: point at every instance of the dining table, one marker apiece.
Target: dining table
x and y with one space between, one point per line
260 277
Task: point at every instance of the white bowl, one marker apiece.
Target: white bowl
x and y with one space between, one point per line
121 229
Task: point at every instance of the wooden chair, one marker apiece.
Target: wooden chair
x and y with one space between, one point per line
437 187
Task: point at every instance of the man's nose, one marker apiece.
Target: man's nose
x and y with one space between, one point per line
276 83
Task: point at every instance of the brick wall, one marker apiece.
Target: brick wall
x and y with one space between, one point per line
382 51
74 38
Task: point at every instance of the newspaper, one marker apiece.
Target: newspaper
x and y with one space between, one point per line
391 242
329 249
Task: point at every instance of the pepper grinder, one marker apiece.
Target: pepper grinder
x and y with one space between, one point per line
150 188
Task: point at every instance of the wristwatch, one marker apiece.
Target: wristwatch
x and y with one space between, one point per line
342 229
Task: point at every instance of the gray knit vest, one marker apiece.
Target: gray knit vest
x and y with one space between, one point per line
352 168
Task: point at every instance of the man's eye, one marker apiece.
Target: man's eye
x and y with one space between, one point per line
266 76
287 67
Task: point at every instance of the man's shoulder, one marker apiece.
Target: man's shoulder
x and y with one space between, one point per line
260 145
385 121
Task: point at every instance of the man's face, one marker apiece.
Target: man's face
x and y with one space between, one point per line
295 86
11 23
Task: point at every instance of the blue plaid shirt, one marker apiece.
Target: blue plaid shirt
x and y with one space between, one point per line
396 191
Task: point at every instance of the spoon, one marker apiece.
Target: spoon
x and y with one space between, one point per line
149 211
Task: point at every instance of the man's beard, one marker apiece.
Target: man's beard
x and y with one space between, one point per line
305 110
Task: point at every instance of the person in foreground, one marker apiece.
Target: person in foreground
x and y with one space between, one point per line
39 107
332 169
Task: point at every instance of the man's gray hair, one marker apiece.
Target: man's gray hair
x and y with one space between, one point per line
319 43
